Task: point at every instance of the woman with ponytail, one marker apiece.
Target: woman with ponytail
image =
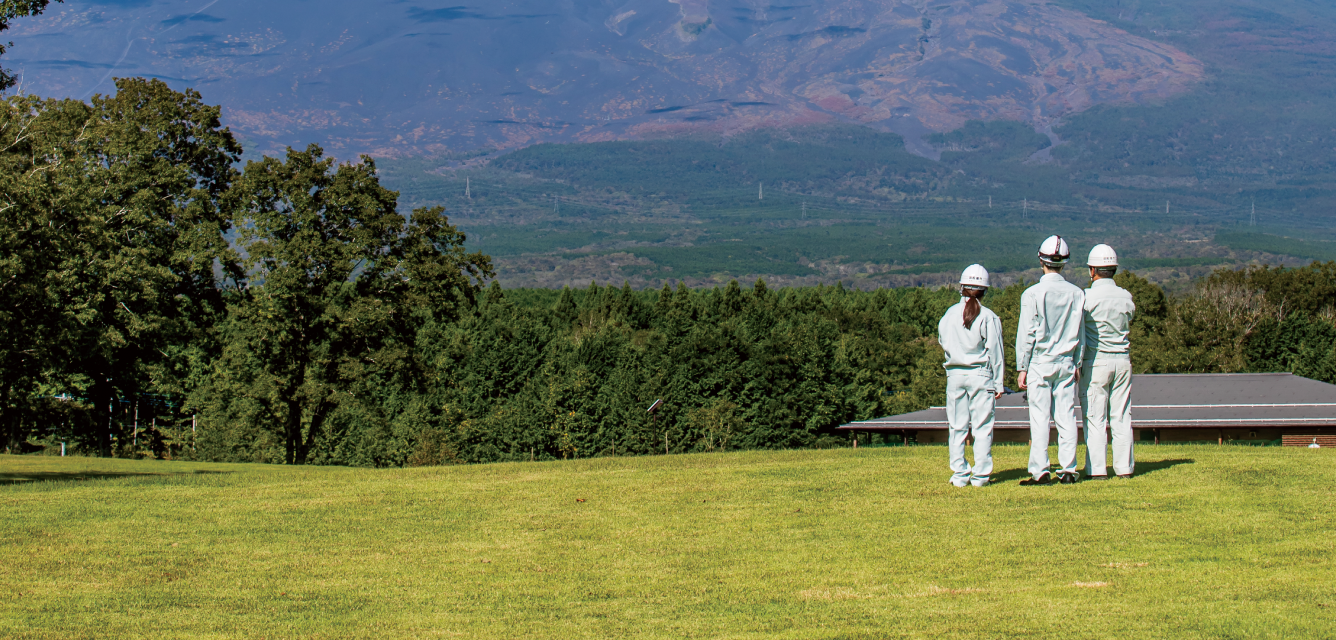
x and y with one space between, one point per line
971 336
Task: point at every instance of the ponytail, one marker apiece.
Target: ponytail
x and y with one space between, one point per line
972 306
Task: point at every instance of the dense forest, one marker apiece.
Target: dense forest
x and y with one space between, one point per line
160 301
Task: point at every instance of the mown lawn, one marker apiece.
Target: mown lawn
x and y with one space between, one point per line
1207 542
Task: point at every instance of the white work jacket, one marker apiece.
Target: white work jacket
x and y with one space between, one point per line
973 351
1050 326
1108 318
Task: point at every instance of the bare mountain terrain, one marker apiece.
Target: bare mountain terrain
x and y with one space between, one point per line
413 78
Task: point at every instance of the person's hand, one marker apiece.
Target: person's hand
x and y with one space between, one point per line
1078 375
997 396
1020 380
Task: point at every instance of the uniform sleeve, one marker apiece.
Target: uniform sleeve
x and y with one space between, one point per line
1081 340
1089 328
1025 328
941 335
996 359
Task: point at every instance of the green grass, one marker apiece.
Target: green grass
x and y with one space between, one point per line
1207 541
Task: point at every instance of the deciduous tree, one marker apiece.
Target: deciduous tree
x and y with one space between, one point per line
113 240
337 284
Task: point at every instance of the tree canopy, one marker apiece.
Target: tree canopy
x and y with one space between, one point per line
9 10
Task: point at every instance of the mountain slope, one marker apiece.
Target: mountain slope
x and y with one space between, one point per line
426 77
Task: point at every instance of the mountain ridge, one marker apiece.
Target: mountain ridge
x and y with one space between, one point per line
423 78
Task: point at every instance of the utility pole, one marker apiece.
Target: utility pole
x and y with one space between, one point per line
1025 208
760 191
990 202
1253 221
1166 207
466 188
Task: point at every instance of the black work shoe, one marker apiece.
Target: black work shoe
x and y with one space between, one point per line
1068 478
1124 475
1044 478
1097 477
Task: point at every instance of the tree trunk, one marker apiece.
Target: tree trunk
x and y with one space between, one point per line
9 419
102 398
317 422
294 431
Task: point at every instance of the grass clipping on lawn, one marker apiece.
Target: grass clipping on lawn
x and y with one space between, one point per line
1206 541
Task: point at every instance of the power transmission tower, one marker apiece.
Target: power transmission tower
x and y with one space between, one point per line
1166 207
804 211
466 189
760 191
556 208
1253 221
990 202
1025 208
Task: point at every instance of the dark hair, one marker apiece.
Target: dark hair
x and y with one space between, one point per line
1105 272
972 306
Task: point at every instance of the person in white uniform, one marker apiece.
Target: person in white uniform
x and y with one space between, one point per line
1049 339
1106 370
971 336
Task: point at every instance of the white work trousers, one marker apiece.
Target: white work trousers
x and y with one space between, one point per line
969 409
1051 391
1106 404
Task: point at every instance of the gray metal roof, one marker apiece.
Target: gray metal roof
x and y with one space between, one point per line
1176 401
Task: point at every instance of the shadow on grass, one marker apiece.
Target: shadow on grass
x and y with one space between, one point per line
54 476
1143 468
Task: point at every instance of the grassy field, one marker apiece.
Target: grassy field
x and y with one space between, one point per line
1206 542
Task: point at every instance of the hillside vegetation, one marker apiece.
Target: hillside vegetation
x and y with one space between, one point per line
846 204
859 543
1172 179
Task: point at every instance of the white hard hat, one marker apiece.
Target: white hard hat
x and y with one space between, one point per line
1102 256
1055 251
974 276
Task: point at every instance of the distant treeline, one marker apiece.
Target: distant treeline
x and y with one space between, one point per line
545 374
157 301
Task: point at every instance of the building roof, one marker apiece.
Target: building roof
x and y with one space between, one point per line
1176 401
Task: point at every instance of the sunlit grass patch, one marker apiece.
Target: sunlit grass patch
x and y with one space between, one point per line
788 544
